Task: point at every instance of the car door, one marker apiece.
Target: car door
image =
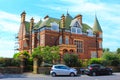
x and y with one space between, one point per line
65 70
58 70
102 70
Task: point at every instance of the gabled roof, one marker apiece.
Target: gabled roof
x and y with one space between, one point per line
23 30
27 26
37 25
68 19
85 27
48 21
96 26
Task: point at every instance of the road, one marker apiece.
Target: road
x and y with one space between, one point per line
115 76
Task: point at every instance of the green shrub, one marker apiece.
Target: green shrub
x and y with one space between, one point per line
9 62
72 60
112 59
96 61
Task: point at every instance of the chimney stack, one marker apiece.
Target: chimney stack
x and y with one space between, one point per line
79 17
63 21
31 23
23 14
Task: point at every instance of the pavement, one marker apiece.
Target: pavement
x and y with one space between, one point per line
24 75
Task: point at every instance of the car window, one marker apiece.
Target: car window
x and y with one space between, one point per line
102 67
95 66
57 67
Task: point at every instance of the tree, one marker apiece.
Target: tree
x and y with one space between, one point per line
118 51
55 54
16 55
112 59
37 58
47 55
71 60
38 54
106 50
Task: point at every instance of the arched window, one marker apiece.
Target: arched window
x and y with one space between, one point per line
66 40
65 51
60 40
55 26
71 51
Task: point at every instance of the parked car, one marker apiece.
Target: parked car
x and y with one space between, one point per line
82 70
62 70
97 69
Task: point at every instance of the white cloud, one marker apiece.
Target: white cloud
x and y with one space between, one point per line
9 26
9 22
6 48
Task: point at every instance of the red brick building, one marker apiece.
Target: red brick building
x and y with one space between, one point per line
70 34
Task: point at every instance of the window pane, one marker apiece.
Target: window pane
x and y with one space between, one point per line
73 30
67 40
79 31
60 40
79 45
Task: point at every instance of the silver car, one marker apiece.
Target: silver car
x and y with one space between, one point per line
62 70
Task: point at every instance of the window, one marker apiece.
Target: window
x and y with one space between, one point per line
33 42
73 30
93 54
90 32
60 40
76 26
79 45
66 40
100 35
42 39
76 30
54 26
79 31
100 44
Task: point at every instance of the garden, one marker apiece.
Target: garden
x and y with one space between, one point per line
42 58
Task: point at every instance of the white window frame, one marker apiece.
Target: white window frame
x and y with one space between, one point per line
100 44
93 54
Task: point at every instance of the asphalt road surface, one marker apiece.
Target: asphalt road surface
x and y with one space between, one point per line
29 76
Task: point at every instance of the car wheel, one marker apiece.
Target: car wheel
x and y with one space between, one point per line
110 73
93 73
53 74
72 74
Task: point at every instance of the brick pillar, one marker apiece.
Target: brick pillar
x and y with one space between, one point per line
35 65
22 63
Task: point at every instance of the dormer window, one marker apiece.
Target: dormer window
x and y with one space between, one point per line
73 29
79 31
76 30
76 27
90 32
55 26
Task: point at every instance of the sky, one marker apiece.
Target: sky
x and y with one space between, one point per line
107 12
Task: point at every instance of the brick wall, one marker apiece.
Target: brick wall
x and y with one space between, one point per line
10 70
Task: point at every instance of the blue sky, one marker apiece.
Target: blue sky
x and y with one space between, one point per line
107 12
